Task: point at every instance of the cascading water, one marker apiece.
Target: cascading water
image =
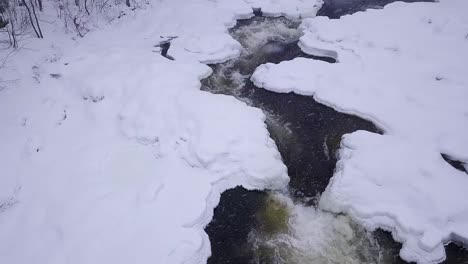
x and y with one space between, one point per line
277 228
311 236
285 227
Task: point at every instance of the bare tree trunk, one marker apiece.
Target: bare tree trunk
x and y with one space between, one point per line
127 2
39 2
77 26
77 3
37 21
12 36
86 6
31 19
9 24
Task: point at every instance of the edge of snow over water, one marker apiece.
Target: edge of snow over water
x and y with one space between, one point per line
112 154
399 186
404 68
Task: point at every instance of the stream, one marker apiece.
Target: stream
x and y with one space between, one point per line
287 227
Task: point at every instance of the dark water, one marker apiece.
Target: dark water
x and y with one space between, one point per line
235 217
307 134
455 163
336 8
300 126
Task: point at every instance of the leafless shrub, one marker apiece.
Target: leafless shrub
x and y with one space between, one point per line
20 18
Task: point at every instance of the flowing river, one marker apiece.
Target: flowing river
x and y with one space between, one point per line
287 227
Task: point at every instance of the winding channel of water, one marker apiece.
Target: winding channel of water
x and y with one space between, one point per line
273 227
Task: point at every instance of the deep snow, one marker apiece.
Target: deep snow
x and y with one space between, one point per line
404 68
112 154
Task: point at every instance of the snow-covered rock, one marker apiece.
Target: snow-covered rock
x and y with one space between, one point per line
404 68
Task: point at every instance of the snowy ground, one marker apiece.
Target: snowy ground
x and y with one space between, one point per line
112 154
404 68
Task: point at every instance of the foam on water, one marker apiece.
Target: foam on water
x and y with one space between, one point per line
310 235
314 236
257 33
308 136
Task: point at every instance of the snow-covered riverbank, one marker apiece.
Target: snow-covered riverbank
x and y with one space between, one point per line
307 135
112 154
404 68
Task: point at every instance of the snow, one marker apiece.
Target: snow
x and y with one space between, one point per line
120 157
404 68
407 188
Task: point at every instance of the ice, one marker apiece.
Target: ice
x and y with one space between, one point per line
404 68
122 158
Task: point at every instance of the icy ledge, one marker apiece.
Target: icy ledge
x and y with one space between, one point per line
404 68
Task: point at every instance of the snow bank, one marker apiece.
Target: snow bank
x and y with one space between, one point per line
201 26
87 192
403 187
417 64
111 153
404 68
